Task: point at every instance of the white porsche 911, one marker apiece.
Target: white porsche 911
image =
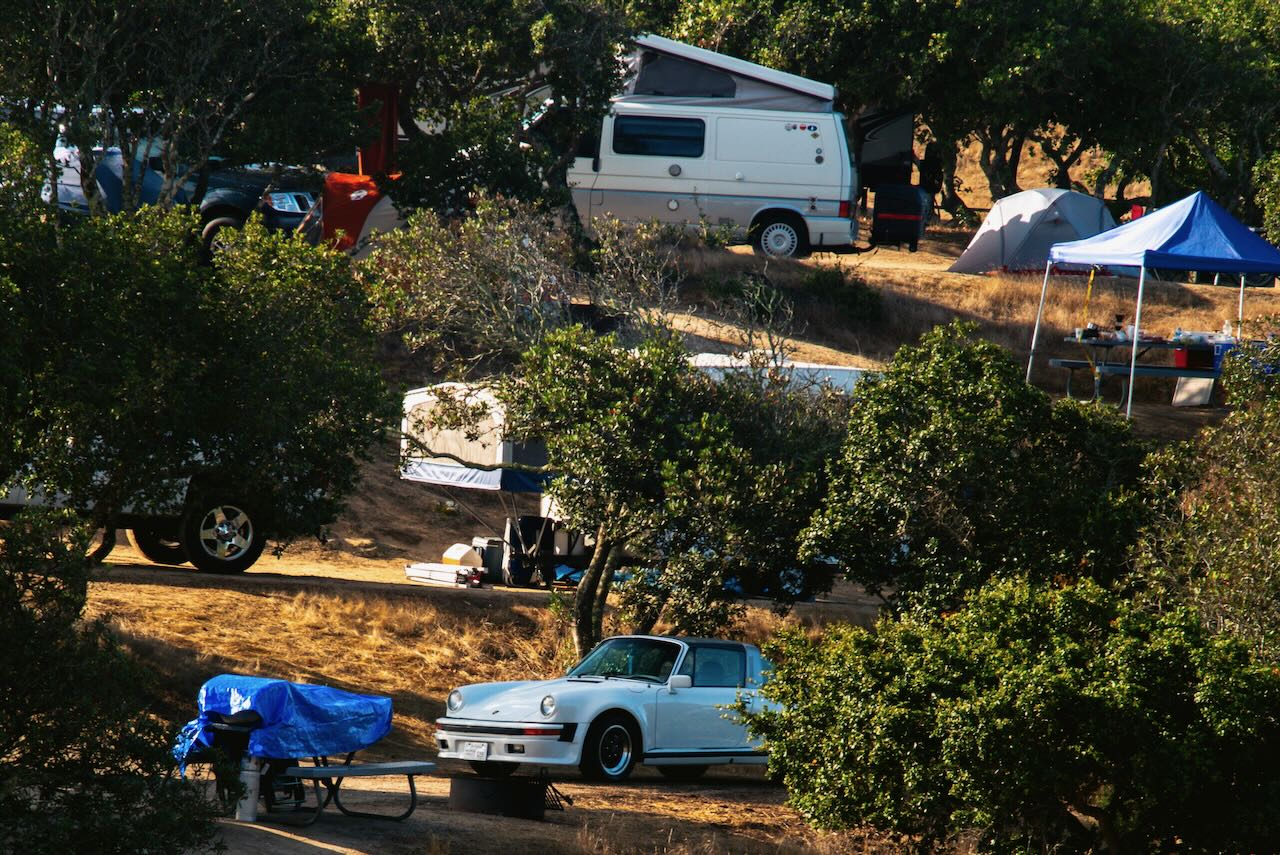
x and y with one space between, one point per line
646 699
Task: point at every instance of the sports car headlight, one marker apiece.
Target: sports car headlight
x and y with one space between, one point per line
548 705
455 701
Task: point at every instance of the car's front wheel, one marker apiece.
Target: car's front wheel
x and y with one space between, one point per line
220 536
611 748
493 768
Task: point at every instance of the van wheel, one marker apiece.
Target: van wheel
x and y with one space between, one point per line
221 536
160 544
780 236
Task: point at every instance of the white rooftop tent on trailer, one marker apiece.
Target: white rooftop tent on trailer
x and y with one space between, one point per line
1020 229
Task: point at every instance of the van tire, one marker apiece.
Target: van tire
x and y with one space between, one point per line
780 235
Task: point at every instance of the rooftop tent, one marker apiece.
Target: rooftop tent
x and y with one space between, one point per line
672 72
1195 233
1020 229
482 444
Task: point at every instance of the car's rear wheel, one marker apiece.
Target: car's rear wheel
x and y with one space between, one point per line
682 773
220 536
160 543
611 748
493 768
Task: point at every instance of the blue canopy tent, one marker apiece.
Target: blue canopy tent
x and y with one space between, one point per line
1194 233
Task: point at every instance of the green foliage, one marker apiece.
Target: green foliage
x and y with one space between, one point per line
1214 542
832 290
699 482
955 470
138 366
1030 720
85 766
505 89
1267 178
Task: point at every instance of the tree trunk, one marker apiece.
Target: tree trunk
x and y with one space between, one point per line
1104 178
585 635
951 201
602 592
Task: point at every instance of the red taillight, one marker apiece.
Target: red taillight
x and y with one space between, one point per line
541 731
845 206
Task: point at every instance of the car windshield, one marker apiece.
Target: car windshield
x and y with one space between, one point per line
633 658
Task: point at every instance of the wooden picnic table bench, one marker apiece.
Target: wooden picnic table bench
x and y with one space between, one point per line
1121 370
331 776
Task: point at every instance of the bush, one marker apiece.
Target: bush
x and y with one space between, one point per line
954 470
830 289
84 767
1041 720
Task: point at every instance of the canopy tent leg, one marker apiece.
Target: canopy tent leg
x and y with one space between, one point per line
1137 331
1035 334
1240 308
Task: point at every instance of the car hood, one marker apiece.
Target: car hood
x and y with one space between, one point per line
521 701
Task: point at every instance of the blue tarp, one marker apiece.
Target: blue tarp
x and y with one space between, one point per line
298 720
1195 233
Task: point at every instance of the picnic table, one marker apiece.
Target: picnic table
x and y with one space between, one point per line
267 724
1099 363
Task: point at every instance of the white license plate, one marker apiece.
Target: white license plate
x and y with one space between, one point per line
475 751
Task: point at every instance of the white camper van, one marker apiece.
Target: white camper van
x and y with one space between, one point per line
697 137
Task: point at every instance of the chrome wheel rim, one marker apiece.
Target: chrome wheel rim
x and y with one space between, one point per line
779 239
225 532
615 750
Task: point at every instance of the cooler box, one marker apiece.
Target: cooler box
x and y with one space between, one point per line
899 215
1193 357
1220 352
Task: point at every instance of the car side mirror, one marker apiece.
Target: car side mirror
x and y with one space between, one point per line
680 681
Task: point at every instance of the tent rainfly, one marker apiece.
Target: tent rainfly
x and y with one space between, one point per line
1017 233
1195 233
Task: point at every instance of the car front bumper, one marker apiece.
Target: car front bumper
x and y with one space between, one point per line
541 743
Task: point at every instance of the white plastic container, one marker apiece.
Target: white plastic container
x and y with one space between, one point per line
250 777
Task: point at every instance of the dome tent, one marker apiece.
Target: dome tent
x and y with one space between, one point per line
1017 233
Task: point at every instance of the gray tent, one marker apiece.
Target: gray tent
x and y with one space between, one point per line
1020 229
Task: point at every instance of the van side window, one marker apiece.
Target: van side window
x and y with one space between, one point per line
659 136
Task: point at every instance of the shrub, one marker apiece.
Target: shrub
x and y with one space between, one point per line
954 470
1042 720
84 767
848 297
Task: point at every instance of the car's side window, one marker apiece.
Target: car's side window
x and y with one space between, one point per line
659 136
715 666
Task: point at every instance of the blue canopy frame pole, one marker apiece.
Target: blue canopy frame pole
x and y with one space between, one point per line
1137 331
1035 334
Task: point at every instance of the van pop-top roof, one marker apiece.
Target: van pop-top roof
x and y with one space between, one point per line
673 72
